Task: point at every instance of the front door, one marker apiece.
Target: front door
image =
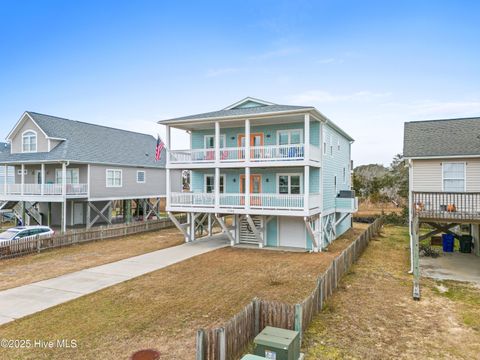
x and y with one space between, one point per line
256 139
38 176
255 188
78 214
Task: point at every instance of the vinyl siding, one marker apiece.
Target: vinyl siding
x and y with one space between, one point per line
333 165
155 182
42 142
344 225
49 173
427 174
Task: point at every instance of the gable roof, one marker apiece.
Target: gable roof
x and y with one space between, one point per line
253 107
90 143
442 138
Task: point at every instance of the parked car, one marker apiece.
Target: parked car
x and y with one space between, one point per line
9 245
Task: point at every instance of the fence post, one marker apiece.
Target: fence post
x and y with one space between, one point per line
222 342
298 320
39 245
200 347
256 311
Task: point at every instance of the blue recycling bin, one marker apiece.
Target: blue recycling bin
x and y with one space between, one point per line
448 241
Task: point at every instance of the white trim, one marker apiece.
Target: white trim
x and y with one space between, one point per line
464 174
106 178
213 175
12 132
131 197
446 157
144 177
30 144
289 131
247 99
289 182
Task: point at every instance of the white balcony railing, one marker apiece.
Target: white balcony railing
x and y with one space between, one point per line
48 189
257 153
238 201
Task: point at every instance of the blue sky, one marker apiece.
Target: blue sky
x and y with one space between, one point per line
367 65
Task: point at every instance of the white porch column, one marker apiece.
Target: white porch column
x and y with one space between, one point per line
43 180
247 141
167 172
22 180
64 216
247 188
306 188
217 142
216 186
5 186
64 180
306 140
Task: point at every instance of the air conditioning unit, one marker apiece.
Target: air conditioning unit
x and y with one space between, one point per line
278 344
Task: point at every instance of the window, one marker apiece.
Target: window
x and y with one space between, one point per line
324 136
289 183
114 178
331 146
141 177
209 141
344 175
453 177
29 141
210 183
338 144
289 137
73 176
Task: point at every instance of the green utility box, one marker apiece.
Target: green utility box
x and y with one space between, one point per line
278 344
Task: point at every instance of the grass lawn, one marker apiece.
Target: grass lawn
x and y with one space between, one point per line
163 309
373 316
51 263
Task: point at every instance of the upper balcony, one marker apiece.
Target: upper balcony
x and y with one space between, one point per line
42 192
455 207
237 156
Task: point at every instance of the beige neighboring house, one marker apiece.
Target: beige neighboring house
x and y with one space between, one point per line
61 172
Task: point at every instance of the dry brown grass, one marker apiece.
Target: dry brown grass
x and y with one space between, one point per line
367 208
373 316
163 310
45 265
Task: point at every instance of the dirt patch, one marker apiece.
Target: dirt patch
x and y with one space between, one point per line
48 264
373 316
163 310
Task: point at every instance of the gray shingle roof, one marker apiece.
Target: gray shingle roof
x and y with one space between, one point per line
239 112
90 143
450 137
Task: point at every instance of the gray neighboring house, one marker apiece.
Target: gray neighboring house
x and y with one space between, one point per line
63 172
444 166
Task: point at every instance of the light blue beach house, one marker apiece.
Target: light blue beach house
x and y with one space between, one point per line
281 173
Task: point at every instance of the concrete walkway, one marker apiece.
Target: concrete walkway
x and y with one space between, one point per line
452 266
29 299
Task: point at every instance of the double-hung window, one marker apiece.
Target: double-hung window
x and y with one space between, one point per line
289 137
289 183
29 141
453 176
114 178
73 176
210 183
210 141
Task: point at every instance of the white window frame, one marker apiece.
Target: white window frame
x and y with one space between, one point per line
325 145
113 185
144 177
289 131
25 172
35 135
338 144
222 136
344 175
331 145
213 176
60 171
464 163
289 175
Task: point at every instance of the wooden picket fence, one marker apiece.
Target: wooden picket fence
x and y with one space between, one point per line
38 243
231 340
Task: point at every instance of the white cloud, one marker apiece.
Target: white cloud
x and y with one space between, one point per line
321 96
446 109
276 53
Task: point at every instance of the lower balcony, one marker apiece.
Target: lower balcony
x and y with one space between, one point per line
71 190
446 206
271 202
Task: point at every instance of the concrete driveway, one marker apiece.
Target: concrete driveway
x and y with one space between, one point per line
452 266
29 299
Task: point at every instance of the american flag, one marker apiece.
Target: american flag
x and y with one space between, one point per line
159 148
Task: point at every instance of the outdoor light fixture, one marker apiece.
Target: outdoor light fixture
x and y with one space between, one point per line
234 180
233 138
